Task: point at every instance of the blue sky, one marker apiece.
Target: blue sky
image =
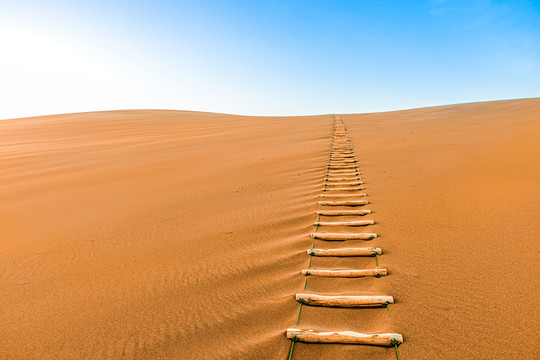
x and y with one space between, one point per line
264 57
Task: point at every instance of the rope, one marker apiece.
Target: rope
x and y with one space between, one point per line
385 304
395 343
292 346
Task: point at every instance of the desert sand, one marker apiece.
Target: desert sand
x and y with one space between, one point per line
154 234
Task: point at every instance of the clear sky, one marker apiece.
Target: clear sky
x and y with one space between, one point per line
262 57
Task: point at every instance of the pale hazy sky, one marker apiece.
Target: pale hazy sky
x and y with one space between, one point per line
264 57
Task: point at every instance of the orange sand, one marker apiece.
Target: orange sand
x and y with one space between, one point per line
180 235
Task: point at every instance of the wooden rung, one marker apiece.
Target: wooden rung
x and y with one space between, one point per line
331 175
347 155
336 173
343 179
345 273
340 236
334 165
369 251
345 183
343 212
340 161
344 172
345 188
344 223
344 203
325 195
344 337
343 167
345 300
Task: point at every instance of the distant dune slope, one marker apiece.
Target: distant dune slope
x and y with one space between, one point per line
173 234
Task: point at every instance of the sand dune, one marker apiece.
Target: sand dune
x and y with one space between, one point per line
155 234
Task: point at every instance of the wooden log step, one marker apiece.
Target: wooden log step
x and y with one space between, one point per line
324 195
345 183
342 173
341 161
344 179
332 176
341 236
344 337
344 223
345 300
343 212
342 167
368 251
345 188
346 165
345 273
344 203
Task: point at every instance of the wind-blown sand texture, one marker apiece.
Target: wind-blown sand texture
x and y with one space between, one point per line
182 235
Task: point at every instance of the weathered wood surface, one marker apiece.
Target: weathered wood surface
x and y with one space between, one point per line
344 223
341 236
345 188
325 195
343 212
331 175
342 166
342 162
343 179
344 172
344 337
345 300
345 183
367 251
345 165
345 273
344 203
